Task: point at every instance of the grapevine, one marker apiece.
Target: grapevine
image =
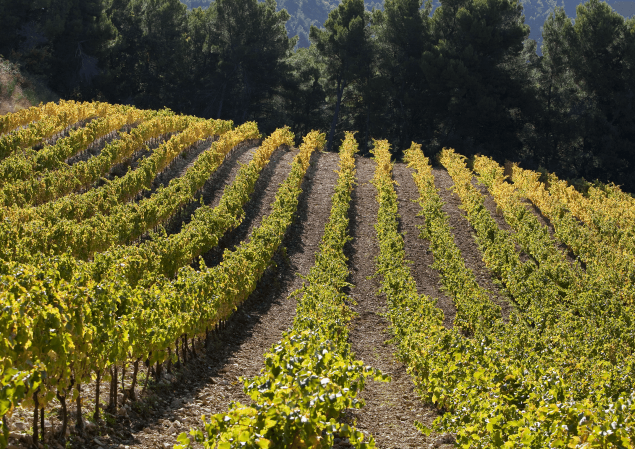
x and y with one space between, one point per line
311 376
106 198
471 300
614 267
101 271
30 162
125 222
55 119
56 183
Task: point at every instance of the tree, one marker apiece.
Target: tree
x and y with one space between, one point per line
251 43
557 100
305 93
64 40
201 61
344 44
161 52
81 31
477 45
402 33
122 79
13 16
601 48
584 126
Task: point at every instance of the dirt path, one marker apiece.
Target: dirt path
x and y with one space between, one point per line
490 204
97 145
209 383
428 281
62 134
391 408
259 203
464 237
569 254
212 190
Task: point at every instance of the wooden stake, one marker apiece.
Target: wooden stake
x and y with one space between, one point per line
123 383
145 385
132 394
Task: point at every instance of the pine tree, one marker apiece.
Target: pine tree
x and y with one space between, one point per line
345 46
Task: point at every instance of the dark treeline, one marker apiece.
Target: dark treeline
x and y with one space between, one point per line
465 76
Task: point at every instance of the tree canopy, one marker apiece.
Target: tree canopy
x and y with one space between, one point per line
465 75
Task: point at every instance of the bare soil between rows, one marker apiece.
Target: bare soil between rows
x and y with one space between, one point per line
209 383
391 408
465 239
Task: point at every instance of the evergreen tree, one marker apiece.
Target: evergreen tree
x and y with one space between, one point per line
122 80
345 46
251 44
558 99
402 33
201 61
585 126
306 93
64 40
469 69
601 48
79 31
160 52
13 18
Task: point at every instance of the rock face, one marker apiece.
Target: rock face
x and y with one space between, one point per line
20 90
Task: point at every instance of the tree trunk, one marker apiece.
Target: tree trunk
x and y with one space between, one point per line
367 136
549 157
341 85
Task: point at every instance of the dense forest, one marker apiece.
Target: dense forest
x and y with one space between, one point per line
302 14
465 75
305 13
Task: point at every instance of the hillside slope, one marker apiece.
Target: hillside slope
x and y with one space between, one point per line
20 90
